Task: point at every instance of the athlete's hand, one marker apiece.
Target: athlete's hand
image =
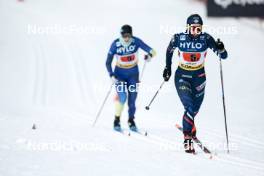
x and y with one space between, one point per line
147 58
220 45
167 73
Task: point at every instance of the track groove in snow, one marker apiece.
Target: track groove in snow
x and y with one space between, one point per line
50 80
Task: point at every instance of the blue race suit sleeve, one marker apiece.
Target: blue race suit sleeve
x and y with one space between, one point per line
143 46
170 49
213 46
109 59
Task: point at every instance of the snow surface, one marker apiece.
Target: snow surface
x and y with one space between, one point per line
54 81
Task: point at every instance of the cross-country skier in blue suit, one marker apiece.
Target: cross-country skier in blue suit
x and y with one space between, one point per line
126 73
190 78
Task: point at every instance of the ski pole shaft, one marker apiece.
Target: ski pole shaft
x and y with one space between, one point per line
224 106
143 69
153 98
102 106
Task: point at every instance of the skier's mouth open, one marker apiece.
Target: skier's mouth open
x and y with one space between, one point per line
195 30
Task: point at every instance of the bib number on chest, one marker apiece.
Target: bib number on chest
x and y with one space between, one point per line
128 58
191 57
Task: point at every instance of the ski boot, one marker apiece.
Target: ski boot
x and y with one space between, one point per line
188 144
117 125
132 125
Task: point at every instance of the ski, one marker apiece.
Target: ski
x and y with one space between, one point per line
129 132
143 133
123 132
198 142
119 130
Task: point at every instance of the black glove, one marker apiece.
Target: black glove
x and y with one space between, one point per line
147 57
167 73
220 45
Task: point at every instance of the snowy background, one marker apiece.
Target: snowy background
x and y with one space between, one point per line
53 75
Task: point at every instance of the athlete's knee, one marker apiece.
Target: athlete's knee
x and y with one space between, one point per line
197 105
132 105
122 97
195 110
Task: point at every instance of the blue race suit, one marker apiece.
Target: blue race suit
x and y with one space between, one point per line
190 78
126 70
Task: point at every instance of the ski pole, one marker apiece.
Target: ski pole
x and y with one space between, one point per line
224 106
144 66
148 106
102 106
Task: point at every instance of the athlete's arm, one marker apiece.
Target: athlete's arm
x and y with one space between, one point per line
145 47
172 46
218 48
109 59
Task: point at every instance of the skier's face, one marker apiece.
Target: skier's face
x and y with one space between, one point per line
126 37
195 29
